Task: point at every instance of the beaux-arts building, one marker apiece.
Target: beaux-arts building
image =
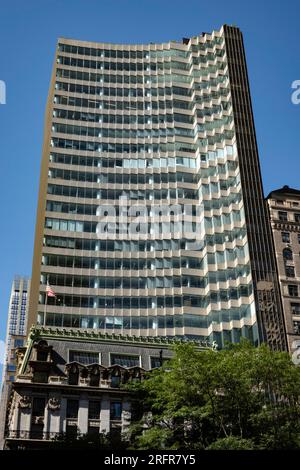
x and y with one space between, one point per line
154 126
71 381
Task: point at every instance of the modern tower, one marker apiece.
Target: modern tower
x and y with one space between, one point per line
168 128
284 207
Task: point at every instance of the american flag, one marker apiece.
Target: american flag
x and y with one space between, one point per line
50 292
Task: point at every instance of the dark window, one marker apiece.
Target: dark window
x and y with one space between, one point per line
94 409
71 430
36 431
83 357
295 308
287 254
285 236
73 377
290 271
297 218
41 356
93 430
38 406
115 380
72 409
155 362
293 290
296 325
18 343
124 360
282 216
115 410
94 378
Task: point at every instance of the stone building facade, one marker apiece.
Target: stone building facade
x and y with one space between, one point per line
284 208
70 382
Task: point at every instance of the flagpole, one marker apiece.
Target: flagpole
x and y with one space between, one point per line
46 301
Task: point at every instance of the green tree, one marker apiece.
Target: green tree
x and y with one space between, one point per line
241 397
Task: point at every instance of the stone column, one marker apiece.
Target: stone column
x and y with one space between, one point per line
105 415
83 414
25 404
54 415
126 415
46 429
63 415
15 422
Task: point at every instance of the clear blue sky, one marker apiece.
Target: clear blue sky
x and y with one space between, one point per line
28 34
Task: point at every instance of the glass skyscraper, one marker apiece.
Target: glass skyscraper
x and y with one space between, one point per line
151 218
15 338
16 323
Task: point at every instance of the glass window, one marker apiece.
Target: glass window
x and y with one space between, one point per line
287 254
297 218
290 271
282 216
293 290
72 409
296 325
94 409
295 308
155 362
285 236
38 406
84 357
115 380
115 410
124 360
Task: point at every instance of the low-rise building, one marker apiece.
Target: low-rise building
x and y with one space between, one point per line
70 381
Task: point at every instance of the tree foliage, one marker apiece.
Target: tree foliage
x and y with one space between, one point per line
238 398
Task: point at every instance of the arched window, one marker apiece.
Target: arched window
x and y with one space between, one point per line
287 254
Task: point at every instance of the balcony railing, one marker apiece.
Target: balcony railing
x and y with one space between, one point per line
33 435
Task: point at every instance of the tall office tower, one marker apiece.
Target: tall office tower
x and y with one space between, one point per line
284 207
15 337
157 126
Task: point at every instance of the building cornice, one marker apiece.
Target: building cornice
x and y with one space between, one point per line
70 334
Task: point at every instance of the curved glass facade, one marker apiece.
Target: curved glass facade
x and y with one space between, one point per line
144 229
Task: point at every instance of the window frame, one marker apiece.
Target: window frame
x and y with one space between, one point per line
110 354
85 351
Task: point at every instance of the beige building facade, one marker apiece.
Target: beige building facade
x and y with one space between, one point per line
284 207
